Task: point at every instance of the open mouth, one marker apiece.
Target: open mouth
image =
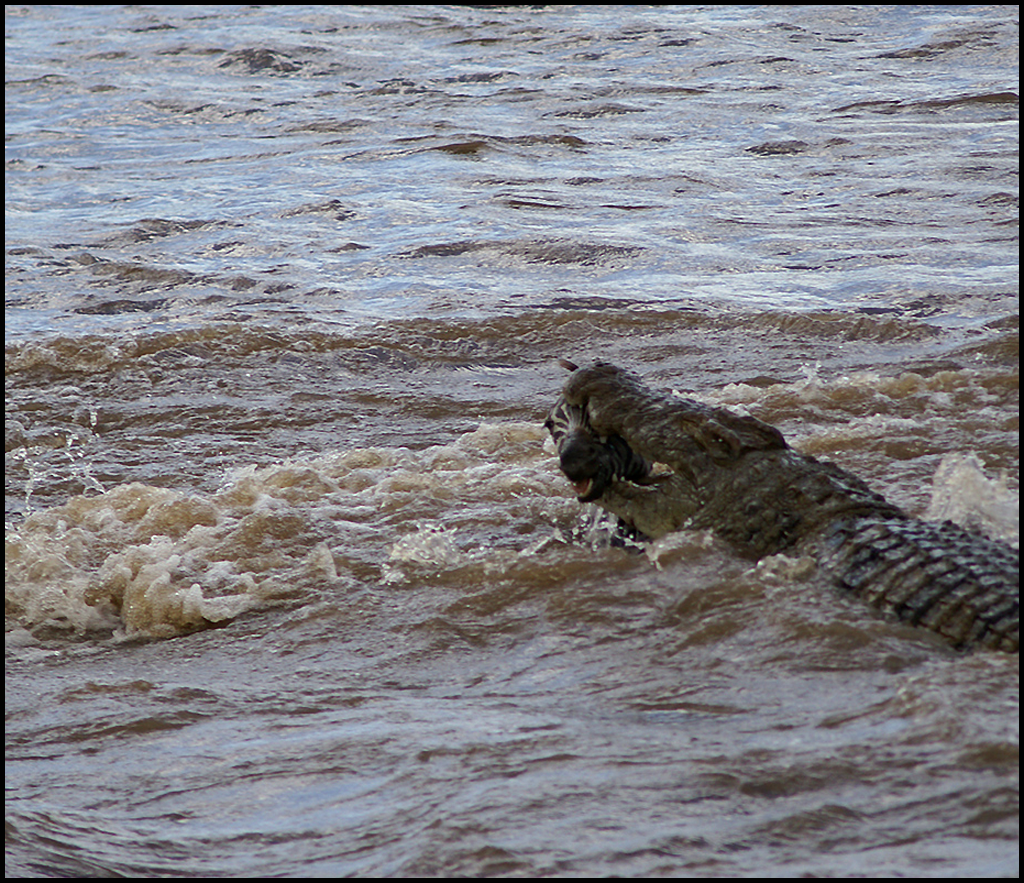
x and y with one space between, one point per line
583 489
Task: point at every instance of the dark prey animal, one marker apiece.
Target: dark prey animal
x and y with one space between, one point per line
737 476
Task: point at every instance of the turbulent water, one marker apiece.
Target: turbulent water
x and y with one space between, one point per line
293 584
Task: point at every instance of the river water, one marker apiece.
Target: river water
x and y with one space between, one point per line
293 584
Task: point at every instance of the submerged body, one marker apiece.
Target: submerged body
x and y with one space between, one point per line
736 476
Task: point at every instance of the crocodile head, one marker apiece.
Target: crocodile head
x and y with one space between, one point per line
609 428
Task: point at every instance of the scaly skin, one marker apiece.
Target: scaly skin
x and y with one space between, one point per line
736 476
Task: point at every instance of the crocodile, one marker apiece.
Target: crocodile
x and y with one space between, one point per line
738 477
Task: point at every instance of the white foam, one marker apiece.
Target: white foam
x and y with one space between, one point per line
963 493
141 560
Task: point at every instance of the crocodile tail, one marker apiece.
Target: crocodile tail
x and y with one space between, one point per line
940 576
